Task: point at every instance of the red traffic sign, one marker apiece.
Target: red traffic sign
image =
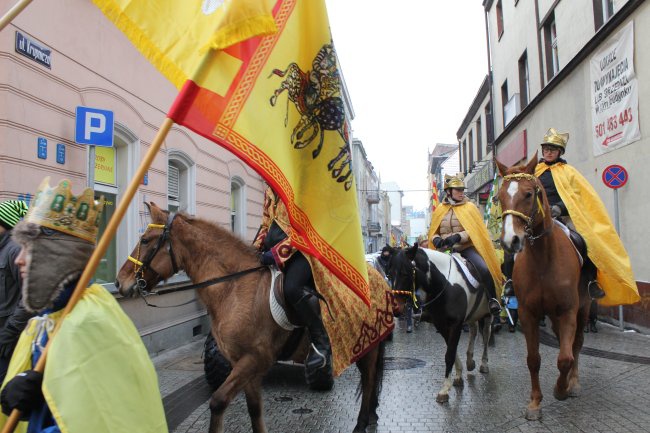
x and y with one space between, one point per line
615 176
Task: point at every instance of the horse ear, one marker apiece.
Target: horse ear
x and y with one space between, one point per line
502 168
410 252
530 167
156 213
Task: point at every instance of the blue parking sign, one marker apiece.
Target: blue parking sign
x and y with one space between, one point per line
94 126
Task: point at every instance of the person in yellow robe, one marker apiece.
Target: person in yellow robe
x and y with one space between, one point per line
457 225
574 202
98 376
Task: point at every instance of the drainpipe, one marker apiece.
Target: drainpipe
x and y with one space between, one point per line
491 86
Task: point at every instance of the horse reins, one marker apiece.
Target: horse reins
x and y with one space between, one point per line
537 207
426 304
142 266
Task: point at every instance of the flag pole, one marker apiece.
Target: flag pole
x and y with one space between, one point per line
13 12
99 252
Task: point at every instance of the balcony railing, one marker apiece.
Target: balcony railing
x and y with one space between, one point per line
372 197
373 227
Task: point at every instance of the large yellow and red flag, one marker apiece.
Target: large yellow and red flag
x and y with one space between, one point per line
261 78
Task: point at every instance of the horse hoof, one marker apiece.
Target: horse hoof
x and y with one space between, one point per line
442 398
575 391
533 414
560 395
459 382
471 365
484 369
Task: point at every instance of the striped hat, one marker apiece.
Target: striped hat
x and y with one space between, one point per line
11 211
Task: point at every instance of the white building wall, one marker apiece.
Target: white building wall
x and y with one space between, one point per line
568 109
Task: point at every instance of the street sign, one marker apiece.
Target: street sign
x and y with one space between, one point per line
615 176
94 126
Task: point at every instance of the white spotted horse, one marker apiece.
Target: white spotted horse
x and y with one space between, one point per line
451 300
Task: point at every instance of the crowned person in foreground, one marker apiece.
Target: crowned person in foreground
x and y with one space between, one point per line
98 376
457 225
576 204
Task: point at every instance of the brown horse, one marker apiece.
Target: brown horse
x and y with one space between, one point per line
242 323
546 278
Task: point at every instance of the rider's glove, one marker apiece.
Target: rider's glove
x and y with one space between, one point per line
267 258
437 242
556 211
23 392
452 240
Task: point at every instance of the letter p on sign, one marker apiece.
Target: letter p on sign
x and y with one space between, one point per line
94 126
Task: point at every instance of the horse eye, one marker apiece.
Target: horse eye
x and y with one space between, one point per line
529 194
144 241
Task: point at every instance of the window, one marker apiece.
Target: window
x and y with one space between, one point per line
499 19
479 140
114 168
603 11
524 82
504 101
237 207
464 156
551 48
471 148
489 125
181 181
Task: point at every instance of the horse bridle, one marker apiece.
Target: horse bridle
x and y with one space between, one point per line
142 266
537 207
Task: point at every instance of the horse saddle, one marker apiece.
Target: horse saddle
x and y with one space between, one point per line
576 240
471 277
284 316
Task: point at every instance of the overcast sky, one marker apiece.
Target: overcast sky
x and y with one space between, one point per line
412 69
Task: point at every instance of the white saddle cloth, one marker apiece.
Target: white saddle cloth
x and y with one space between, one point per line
461 262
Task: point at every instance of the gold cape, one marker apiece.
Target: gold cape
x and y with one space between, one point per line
472 221
592 221
98 377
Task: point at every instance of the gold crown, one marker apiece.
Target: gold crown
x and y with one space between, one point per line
457 181
554 138
58 209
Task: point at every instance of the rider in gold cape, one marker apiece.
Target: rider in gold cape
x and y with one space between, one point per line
457 224
577 204
98 376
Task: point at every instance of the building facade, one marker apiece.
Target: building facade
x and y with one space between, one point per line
579 66
55 59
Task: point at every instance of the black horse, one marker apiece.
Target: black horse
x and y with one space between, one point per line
451 300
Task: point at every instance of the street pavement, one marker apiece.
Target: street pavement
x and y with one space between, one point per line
614 374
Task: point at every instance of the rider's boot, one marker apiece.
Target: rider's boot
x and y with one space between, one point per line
589 270
308 310
595 291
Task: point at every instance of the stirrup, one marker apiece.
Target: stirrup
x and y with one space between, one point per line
595 291
315 359
508 289
494 309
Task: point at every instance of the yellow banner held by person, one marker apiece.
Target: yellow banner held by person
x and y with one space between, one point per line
274 101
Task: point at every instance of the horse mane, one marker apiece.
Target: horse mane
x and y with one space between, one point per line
221 236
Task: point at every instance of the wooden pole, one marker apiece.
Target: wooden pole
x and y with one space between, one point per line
99 252
13 12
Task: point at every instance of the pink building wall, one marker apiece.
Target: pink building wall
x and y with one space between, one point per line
94 65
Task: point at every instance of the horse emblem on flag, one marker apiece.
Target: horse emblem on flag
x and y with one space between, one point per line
316 94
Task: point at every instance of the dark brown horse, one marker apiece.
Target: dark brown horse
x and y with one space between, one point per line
546 278
242 323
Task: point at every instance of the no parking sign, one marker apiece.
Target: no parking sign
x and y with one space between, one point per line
615 176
